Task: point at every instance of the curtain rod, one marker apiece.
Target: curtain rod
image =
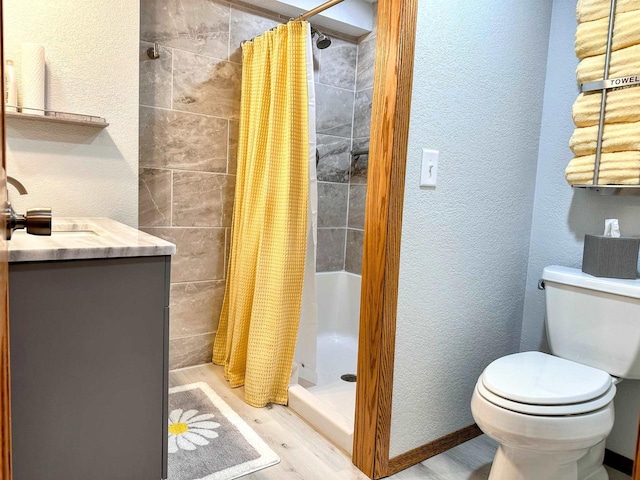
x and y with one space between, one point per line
306 15
319 9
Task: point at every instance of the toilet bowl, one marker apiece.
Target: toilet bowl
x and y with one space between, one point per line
551 414
547 427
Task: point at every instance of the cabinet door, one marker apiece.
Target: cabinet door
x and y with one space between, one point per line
165 395
88 369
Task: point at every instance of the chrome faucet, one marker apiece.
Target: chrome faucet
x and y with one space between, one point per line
19 186
37 221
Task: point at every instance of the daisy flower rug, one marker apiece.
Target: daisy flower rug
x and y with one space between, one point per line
208 440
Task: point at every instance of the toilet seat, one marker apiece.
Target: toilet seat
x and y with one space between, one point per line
548 410
535 383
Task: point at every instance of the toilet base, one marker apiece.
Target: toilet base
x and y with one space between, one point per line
523 464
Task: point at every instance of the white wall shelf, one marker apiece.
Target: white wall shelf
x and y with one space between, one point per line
61 117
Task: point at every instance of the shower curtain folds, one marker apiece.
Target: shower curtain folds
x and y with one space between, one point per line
260 316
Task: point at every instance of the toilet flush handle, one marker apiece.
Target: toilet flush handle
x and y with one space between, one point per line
540 284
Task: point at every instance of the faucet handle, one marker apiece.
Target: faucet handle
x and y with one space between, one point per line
37 221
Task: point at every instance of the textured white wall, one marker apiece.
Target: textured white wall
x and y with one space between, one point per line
477 97
92 68
562 216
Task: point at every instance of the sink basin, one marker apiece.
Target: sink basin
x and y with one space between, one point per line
86 238
62 233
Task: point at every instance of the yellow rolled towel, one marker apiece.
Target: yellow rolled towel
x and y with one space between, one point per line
623 105
619 168
617 137
591 37
589 10
625 61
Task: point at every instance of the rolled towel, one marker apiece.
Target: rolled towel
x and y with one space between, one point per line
623 106
617 137
619 168
625 61
591 37
589 10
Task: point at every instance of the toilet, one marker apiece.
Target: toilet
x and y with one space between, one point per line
551 414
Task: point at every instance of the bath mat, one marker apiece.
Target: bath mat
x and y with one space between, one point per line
208 440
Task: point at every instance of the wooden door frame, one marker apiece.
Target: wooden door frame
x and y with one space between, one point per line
5 381
636 463
391 107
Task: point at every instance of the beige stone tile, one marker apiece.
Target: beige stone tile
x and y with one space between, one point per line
366 59
337 65
190 351
332 204
155 77
362 113
330 256
199 26
154 200
353 256
244 25
184 141
360 164
234 133
334 115
202 199
334 158
195 307
205 85
357 200
199 255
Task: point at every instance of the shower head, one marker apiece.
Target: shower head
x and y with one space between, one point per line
323 41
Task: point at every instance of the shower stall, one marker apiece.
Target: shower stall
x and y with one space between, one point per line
190 83
323 388
328 403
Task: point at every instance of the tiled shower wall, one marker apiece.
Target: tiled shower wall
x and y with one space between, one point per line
346 85
361 128
189 108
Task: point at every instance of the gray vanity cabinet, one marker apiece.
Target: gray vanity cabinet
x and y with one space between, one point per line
89 366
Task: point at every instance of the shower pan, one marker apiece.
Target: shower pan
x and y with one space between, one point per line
329 405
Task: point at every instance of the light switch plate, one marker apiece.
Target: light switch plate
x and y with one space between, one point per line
429 172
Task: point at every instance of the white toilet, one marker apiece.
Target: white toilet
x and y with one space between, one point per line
551 414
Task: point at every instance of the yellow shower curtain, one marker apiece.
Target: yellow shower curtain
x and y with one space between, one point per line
256 336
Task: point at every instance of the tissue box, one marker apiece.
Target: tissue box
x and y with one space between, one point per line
610 257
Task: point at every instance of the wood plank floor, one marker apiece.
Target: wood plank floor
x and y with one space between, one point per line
307 455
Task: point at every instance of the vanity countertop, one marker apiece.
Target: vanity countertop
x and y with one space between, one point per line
84 238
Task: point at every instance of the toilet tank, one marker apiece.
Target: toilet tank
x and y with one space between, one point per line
594 321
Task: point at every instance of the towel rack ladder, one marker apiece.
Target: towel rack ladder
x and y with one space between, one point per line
604 86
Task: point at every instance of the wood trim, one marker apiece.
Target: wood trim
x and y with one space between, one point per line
618 462
431 449
381 256
636 463
5 381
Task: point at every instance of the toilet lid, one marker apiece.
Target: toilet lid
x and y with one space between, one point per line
548 410
536 378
